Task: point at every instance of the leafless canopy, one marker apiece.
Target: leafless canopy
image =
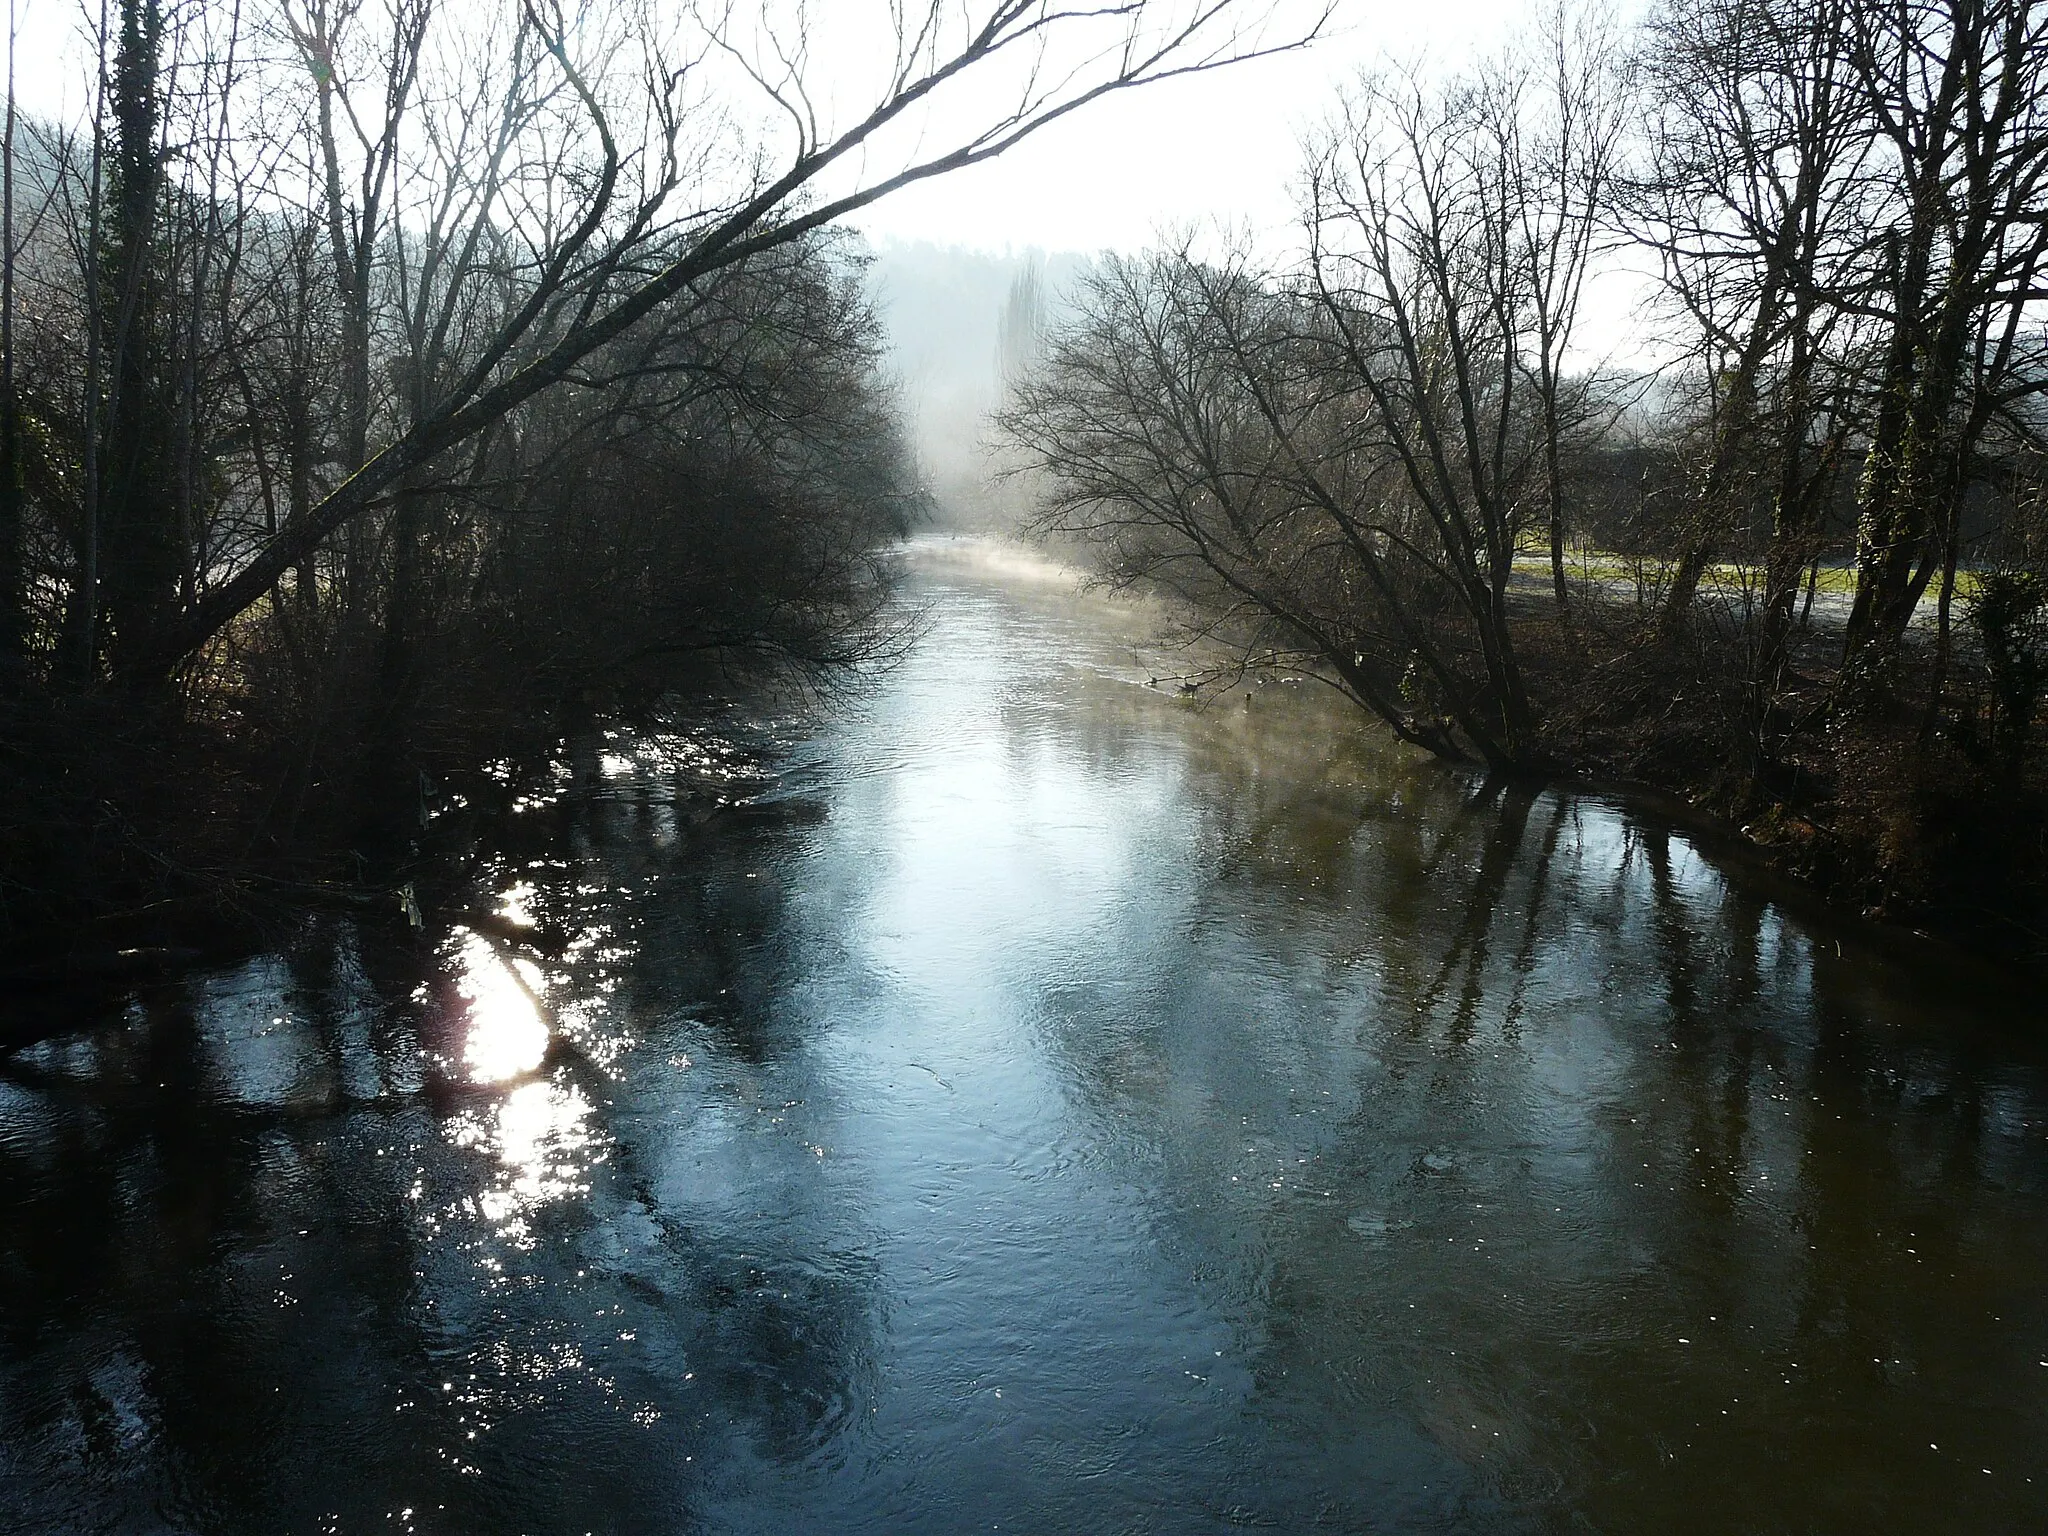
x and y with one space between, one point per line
499 190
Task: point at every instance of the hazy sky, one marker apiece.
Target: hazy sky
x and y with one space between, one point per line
1223 145
1220 145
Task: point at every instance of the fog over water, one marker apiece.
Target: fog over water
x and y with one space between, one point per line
943 309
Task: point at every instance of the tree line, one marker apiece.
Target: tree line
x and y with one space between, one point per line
386 381
1393 456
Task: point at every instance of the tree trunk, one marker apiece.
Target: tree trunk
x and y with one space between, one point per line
13 618
82 617
144 558
1554 476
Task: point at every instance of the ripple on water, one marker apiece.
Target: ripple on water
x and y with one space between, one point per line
1043 1104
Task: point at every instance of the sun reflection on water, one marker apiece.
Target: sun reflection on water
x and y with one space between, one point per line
541 1133
507 1037
515 906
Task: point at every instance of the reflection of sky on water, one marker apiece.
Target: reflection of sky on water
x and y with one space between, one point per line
1044 1104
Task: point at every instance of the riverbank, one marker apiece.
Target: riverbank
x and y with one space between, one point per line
1899 816
1902 818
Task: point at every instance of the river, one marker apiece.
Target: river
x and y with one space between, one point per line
1038 1102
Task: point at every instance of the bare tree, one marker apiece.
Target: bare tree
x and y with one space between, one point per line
1756 198
1421 218
1337 463
1956 92
1557 117
1186 427
583 232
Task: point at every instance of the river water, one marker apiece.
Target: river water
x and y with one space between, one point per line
1038 1102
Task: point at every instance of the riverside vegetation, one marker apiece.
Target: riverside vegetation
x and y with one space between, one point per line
385 393
1346 462
388 390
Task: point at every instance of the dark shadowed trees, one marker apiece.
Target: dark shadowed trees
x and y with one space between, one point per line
385 383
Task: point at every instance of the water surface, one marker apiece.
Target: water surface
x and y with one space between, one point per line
1034 1101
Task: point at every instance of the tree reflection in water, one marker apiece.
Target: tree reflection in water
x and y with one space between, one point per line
1040 1101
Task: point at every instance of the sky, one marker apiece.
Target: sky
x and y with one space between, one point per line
1220 146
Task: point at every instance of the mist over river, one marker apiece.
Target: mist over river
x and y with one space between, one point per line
1038 1102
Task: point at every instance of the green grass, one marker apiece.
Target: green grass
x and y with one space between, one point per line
1604 565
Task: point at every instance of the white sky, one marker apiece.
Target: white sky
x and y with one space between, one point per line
1215 147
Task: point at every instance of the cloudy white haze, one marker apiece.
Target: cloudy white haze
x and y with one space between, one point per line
1213 146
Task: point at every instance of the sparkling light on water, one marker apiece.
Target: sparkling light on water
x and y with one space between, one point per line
507 1036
